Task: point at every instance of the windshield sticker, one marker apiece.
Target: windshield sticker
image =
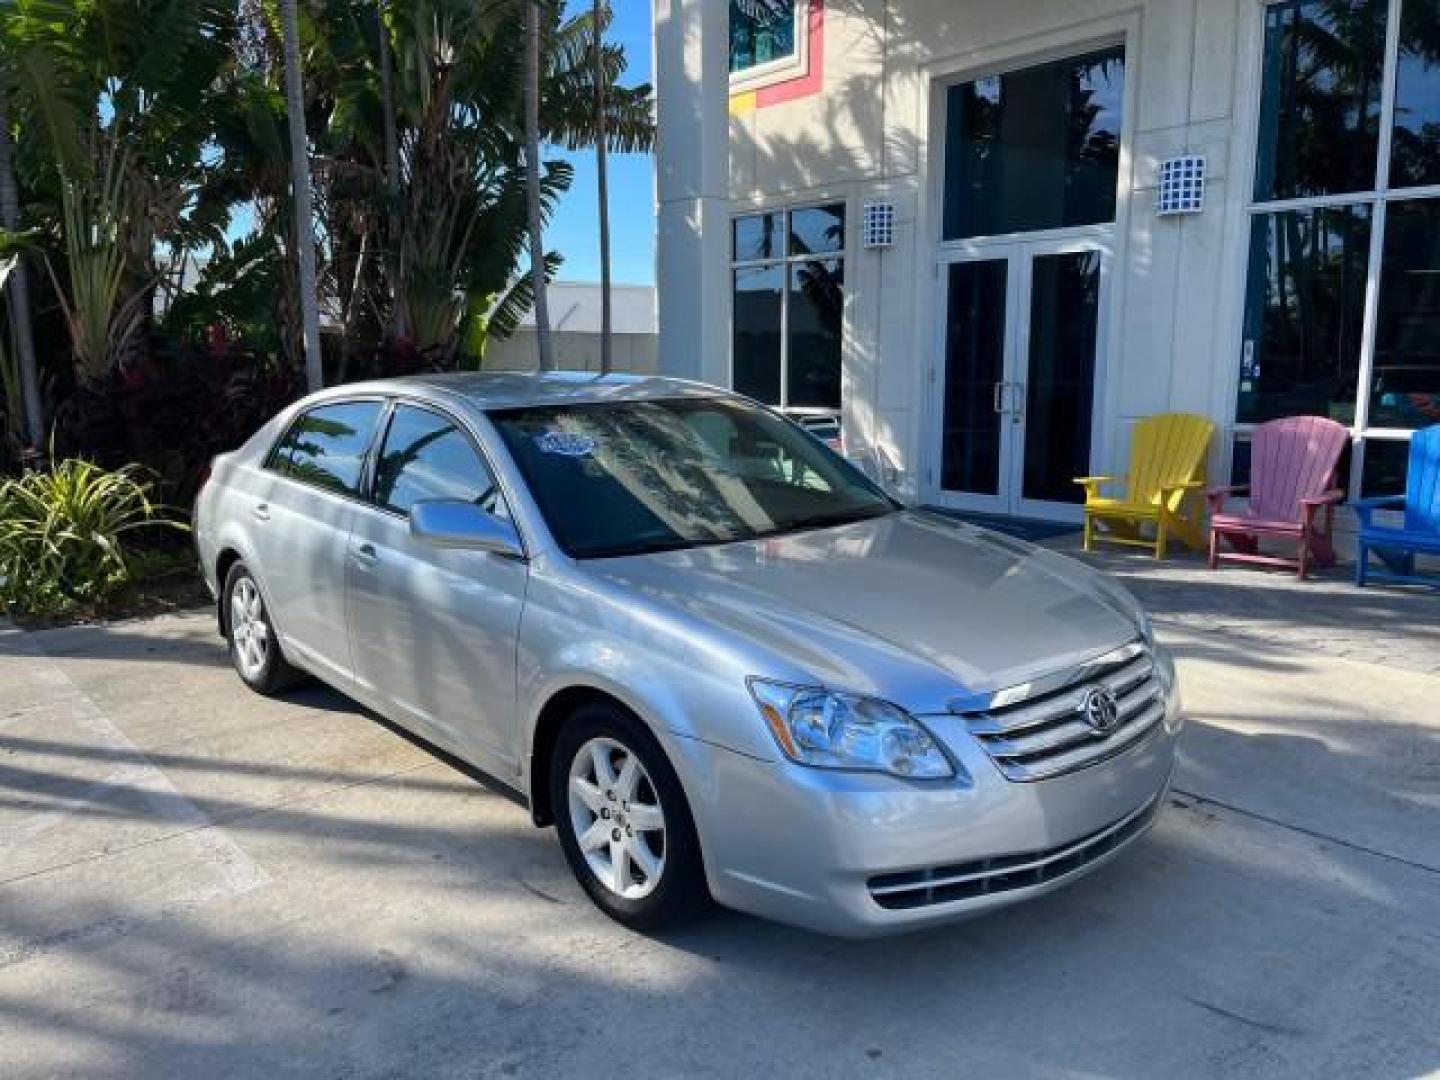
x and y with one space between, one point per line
565 443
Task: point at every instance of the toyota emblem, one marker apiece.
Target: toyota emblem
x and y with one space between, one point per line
1101 710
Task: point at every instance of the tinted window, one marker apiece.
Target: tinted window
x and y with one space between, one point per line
1035 149
1415 154
817 310
1304 314
817 230
326 446
1405 386
761 32
1320 104
974 368
425 456
1064 324
788 307
758 237
632 477
1387 468
759 301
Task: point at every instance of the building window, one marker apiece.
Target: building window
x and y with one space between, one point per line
1342 311
763 33
1035 149
789 303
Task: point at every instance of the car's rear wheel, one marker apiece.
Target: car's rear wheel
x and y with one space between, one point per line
254 646
623 821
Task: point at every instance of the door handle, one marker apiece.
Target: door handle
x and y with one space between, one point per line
1018 409
366 554
1000 397
261 512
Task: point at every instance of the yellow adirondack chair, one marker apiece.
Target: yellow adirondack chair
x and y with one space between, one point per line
1167 473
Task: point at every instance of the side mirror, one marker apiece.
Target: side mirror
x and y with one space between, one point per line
455 523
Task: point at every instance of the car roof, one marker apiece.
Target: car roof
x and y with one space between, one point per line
505 390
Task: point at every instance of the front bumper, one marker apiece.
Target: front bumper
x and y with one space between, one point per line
864 855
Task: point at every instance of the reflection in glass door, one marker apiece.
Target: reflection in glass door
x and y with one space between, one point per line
1021 339
975 377
1060 386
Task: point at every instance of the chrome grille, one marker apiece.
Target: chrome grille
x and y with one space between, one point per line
986 877
1041 731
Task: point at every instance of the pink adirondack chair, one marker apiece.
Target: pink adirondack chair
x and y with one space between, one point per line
1292 495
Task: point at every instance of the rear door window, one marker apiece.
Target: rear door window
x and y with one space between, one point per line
326 446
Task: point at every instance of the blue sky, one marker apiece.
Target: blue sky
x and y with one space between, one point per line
573 230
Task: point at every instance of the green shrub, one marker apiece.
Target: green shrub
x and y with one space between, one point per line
66 535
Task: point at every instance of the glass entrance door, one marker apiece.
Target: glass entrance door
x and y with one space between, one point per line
1022 336
974 443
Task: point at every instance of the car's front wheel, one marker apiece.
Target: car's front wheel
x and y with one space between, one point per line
254 647
623 821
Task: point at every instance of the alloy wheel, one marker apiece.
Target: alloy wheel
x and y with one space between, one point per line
617 817
249 629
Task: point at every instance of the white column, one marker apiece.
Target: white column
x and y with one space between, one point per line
692 180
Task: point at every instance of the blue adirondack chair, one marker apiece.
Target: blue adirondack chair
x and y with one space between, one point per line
1420 533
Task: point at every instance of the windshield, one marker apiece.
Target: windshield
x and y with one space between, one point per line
626 478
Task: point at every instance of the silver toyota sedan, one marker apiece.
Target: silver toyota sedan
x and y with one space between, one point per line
723 663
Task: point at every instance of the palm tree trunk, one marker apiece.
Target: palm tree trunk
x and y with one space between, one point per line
532 183
19 288
392 166
304 210
602 183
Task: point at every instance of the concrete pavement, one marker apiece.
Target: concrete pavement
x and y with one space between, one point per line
195 881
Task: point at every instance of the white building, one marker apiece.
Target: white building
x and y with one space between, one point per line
1032 297
575 327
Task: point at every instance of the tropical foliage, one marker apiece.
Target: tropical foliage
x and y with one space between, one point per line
66 532
152 169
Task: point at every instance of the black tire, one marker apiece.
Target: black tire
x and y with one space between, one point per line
275 673
681 893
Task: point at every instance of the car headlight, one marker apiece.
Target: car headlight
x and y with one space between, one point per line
829 730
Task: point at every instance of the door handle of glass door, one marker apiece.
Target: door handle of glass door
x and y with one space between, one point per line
1017 410
1000 398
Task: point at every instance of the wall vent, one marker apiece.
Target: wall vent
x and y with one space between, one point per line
1182 186
877 225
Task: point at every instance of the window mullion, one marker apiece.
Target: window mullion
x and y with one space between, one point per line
1363 379
1366 376
1388 91
785 314
1312 202
785 327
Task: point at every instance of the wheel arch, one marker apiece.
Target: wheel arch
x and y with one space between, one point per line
227 558
558 708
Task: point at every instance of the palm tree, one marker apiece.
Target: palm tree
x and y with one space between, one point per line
602 183
120 101
303 200
532 184
392 153
19 286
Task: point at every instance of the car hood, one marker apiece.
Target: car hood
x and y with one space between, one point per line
912 607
